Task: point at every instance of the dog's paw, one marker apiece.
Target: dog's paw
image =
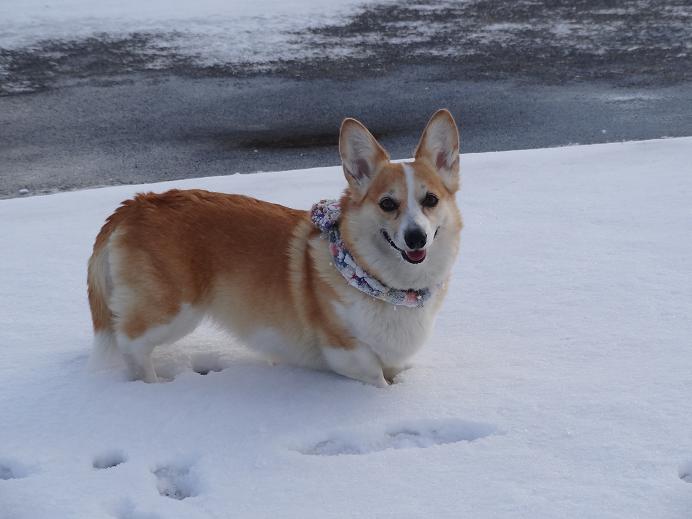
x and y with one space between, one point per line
391 373
685 472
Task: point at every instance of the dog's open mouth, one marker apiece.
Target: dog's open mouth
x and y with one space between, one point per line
412 256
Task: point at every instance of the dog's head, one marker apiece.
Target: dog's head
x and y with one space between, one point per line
400 220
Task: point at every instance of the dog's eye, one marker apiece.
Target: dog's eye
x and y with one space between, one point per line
430 200
388 205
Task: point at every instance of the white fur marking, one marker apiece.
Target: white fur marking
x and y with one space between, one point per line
104 353
359 363
414 214
393 334
137 351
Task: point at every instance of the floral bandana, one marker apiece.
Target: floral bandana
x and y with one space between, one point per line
325 215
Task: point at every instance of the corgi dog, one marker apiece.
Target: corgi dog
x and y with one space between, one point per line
352 286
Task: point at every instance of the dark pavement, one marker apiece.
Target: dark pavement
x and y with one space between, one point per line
515 74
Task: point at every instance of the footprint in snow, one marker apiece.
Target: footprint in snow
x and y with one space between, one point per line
11 469
126 509
109 459
176 481
685 472
407 435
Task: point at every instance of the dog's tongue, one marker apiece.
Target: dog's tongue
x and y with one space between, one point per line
416 255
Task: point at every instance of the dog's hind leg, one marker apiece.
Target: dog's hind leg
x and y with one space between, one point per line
137 355
105 352
137 349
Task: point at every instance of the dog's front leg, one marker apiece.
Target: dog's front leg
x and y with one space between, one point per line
359 363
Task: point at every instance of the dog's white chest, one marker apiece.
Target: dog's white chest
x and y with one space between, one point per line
393 333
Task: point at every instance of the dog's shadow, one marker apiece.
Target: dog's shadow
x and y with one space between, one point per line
218 367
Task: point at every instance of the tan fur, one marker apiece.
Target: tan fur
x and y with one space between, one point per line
228 254
250 265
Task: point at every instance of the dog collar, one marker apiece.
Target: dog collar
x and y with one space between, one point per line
325 215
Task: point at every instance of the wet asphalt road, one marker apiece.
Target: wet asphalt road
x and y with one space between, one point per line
515 74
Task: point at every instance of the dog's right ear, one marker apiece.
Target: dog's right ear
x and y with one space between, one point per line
361 155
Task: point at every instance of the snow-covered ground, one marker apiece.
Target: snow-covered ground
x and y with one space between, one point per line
557 384
212 31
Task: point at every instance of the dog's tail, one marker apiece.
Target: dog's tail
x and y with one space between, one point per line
99 284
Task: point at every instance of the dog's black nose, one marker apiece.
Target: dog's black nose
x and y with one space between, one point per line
415 238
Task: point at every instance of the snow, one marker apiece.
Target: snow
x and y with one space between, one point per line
557 382
686 472
208 31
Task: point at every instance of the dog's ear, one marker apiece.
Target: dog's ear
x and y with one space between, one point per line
439 146
361 155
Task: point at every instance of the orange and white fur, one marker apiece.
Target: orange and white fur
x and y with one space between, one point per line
163 262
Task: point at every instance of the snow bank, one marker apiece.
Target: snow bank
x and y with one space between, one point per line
557 383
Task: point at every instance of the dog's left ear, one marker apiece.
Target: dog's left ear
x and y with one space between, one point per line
439 146
361 155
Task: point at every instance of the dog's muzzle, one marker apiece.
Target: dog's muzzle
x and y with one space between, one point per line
413 256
